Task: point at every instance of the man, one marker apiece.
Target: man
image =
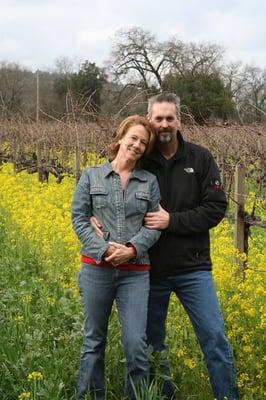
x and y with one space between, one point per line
192 203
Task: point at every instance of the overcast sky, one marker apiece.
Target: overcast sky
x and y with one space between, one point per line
35 33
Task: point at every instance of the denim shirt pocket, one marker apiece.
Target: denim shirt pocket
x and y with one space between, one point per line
142 201
99 196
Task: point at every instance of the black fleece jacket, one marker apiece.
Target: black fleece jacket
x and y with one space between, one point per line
191 192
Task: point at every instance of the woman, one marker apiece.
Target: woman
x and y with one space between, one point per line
116 266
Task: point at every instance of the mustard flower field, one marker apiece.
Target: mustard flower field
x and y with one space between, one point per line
41 315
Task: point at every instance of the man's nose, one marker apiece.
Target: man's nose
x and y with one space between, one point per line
164 123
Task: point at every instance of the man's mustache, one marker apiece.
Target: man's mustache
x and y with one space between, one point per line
165 130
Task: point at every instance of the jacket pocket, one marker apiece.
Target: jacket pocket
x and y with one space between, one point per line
142 200
99 195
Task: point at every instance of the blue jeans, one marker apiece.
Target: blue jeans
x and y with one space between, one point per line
99 287
196 292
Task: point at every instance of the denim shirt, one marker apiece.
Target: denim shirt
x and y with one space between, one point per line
99 193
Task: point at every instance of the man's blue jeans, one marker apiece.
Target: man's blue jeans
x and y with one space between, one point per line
99 287
196 292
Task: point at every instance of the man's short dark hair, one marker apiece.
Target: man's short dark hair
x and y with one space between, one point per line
164 97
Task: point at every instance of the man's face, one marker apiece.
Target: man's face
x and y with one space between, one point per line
165 121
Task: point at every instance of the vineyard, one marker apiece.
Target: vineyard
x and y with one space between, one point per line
40 310
60 147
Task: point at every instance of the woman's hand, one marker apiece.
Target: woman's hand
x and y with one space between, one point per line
109 252
119 254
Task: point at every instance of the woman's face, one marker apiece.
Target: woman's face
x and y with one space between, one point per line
134 143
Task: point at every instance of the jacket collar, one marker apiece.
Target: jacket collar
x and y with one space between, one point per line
137 173
107 168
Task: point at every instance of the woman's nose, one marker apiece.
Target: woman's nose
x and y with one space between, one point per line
137 143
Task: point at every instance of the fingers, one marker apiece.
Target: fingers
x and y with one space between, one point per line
150 221
113 259
109 251
150 214
117 245
97 226
151 224
120 255
149 217
157 220
109 258
99 232
161 211
114 253
94 222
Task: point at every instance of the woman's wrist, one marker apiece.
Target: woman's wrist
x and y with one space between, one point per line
133 251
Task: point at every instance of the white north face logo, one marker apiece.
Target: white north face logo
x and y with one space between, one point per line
189 170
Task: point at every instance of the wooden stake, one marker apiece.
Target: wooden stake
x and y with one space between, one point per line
240 209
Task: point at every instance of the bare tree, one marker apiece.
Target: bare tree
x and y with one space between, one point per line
256 85
140 59
195 58
136 55
248 86
12 83
64 66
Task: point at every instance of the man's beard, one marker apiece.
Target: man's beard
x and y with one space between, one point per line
164 137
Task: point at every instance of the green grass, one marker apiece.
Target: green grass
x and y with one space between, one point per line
35 335
41 330
43 337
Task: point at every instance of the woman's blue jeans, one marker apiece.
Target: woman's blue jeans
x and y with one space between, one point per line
99 287
196 292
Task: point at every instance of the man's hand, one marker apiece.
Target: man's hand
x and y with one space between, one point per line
97 226
120 254
157 220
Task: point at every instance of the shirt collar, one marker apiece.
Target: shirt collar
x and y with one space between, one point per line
107 169
137 173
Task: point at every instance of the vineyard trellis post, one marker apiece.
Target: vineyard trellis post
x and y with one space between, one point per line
38 149
240 210
37 96
77 163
